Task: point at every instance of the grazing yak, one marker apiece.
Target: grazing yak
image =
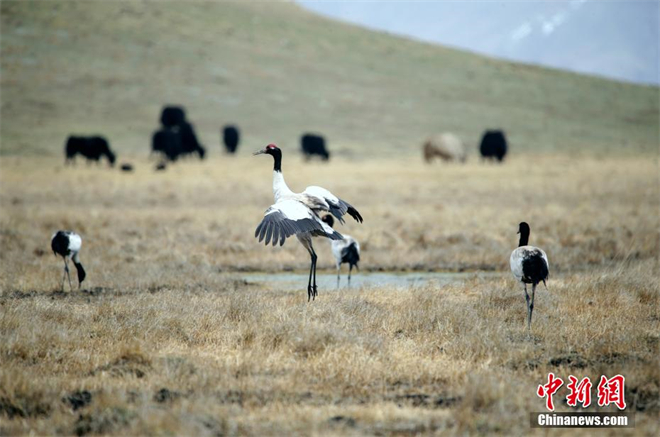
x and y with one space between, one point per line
189 140
92 148
177 136
168 143
446 146
493 145
231 137
312 144
174 143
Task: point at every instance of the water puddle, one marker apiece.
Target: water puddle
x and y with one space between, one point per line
288 281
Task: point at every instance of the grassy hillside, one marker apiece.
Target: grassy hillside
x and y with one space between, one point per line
278 70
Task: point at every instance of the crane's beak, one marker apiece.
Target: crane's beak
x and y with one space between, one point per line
259 152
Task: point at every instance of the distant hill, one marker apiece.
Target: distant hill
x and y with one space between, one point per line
614 39
277 70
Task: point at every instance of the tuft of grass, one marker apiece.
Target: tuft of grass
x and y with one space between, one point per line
21 398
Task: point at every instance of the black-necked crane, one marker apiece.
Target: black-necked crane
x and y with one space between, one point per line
298 214
529 265
346 250
67 244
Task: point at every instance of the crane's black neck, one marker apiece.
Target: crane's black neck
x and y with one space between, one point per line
524 237
81 272
277 158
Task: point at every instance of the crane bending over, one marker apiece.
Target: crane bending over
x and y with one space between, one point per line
67 244
298 214
529 265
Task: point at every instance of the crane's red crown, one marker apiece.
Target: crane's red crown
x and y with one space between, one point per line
271 146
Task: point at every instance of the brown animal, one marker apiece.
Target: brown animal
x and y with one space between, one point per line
447 147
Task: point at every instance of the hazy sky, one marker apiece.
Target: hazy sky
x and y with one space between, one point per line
617 39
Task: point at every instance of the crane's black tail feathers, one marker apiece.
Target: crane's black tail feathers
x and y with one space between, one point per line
535 269
351 255
354 213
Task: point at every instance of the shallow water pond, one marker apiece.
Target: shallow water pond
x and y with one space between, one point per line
287 281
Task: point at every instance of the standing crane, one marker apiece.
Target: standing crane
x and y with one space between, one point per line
298 214
529 265
346 250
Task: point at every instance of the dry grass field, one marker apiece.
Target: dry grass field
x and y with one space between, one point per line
168 337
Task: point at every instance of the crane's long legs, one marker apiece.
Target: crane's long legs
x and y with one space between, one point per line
531 307
314 289
64 273
306 240
529 312
66 268
338 273
350 268
309 283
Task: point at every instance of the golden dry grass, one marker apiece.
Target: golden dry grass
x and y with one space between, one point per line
165 305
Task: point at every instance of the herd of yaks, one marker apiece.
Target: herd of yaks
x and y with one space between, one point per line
176 138
309 214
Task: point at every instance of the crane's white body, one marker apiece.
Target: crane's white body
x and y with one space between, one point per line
308 204
339 245
523 253
297 213
74 246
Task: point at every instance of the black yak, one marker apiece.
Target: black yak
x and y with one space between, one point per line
312 144
493 145
92 148
189 141
177 136
174 143
231 137
168 143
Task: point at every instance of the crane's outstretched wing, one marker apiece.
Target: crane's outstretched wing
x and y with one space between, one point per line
289 217
336 206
